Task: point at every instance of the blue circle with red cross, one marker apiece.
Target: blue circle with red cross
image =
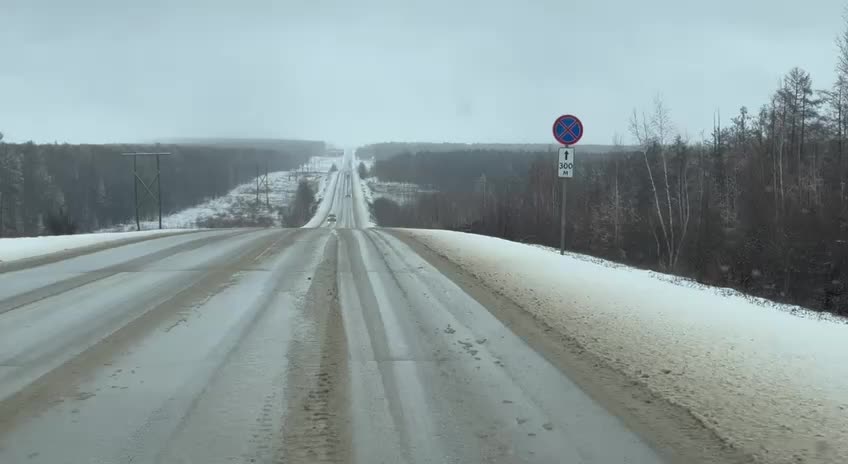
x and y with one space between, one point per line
568 130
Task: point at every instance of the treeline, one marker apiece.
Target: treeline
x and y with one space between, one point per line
761 205
388 150
89 187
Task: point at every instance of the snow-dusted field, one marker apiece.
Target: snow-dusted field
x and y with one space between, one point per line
769 379
373 188
398 192
237 207
240 208
367 193
12 249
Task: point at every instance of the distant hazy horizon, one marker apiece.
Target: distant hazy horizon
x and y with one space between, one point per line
102 71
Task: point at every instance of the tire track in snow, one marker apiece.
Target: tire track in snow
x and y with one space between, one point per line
315 428
60 383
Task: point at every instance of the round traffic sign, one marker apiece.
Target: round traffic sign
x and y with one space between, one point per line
568 130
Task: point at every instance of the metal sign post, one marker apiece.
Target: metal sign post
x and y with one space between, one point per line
147 186
562 221
568 130
566 171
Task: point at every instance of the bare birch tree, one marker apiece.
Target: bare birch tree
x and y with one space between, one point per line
654 134
644 135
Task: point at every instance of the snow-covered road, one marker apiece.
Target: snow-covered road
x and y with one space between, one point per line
336 343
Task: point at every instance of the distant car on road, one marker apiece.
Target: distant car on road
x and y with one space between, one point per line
331 218
347 196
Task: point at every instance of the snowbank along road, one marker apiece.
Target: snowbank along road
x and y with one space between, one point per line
331 343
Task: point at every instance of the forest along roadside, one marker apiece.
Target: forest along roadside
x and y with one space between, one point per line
90 187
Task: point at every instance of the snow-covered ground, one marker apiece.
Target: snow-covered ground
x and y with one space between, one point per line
240 208
12 249
362 200
322 164
367 193
769 379
398 192
326 189
373 188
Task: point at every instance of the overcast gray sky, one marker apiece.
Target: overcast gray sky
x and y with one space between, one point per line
354 72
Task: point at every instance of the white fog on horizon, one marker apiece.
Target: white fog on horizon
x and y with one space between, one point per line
380 70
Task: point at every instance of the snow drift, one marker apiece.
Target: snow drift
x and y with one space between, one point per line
12 249
769 379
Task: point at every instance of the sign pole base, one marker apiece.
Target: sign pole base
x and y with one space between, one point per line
562 221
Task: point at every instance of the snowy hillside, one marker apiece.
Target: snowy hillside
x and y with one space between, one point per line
399 192
239 207
762 376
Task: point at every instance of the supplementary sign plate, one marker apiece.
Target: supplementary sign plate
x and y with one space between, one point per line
566 162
